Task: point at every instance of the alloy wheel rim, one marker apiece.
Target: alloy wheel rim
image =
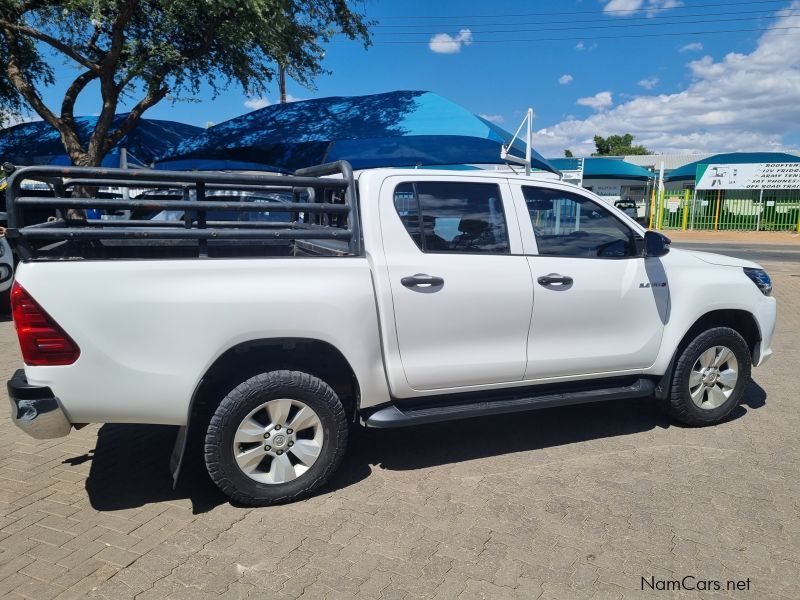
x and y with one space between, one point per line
713 377
278 441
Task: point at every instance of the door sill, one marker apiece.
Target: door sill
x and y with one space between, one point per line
404 416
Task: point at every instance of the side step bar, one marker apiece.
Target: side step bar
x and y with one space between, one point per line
394 416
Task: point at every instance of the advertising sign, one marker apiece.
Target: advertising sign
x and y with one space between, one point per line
607 191
751 176
574 176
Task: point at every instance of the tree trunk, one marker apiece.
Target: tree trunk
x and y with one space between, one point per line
282 83
80 158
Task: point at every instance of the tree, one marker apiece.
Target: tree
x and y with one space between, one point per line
617 145
143 51
568 153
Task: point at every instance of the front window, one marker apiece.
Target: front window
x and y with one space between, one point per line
567 224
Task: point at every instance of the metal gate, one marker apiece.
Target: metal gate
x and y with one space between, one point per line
727 210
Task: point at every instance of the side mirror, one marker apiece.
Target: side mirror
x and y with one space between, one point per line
655 244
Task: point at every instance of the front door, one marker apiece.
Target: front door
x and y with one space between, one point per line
600 307
461 288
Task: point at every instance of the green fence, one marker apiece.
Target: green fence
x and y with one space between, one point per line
727 210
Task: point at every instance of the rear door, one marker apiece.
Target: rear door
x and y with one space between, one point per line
600 307
461 289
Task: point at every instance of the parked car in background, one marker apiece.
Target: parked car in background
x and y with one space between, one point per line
220 195
628 207
403 297
6 273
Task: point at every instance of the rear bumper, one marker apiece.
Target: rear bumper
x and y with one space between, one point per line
35 409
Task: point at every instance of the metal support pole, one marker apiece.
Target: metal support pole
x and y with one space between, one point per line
694 207
652 207
759 208
529 144
123 164
660 217
202 244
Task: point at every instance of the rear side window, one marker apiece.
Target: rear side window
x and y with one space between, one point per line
567 224
453 217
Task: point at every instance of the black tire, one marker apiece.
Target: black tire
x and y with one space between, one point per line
219 453
680 404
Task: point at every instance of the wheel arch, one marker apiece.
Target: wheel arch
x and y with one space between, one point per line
739 320
246 359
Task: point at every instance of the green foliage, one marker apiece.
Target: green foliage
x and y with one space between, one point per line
568 153
39 72
147 50
617 145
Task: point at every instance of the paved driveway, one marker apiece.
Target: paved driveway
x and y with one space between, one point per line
578 502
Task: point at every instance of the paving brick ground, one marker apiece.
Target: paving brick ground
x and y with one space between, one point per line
569 503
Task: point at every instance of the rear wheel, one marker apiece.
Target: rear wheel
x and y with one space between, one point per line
275 438
710 377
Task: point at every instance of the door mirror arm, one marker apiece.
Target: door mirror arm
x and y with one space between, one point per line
655 244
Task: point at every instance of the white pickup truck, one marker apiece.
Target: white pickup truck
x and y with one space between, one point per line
390 297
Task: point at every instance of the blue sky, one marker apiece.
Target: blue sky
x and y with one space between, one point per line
682 92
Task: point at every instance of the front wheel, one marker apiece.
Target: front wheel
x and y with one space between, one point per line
710 377
275 438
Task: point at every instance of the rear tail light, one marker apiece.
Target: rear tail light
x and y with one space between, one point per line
42 340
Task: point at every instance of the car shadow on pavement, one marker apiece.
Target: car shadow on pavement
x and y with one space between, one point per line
130 468
130 463
457 441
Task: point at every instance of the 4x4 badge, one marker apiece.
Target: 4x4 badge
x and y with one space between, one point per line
656 284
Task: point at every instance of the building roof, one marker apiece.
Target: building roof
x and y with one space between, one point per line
671 161
603 168
401 128
689 172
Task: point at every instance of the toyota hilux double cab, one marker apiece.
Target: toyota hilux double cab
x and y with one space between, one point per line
402 297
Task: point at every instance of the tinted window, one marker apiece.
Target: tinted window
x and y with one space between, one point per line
453 217
570 225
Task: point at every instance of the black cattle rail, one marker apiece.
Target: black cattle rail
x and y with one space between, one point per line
323 208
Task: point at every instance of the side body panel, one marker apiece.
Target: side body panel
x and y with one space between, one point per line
472 329
610 319
698 287
148 330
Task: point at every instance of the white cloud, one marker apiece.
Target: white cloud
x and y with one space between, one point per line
623 5
565 79
493 118
649 83
256 103
692 47
600 101
739 102
444 43
629 8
